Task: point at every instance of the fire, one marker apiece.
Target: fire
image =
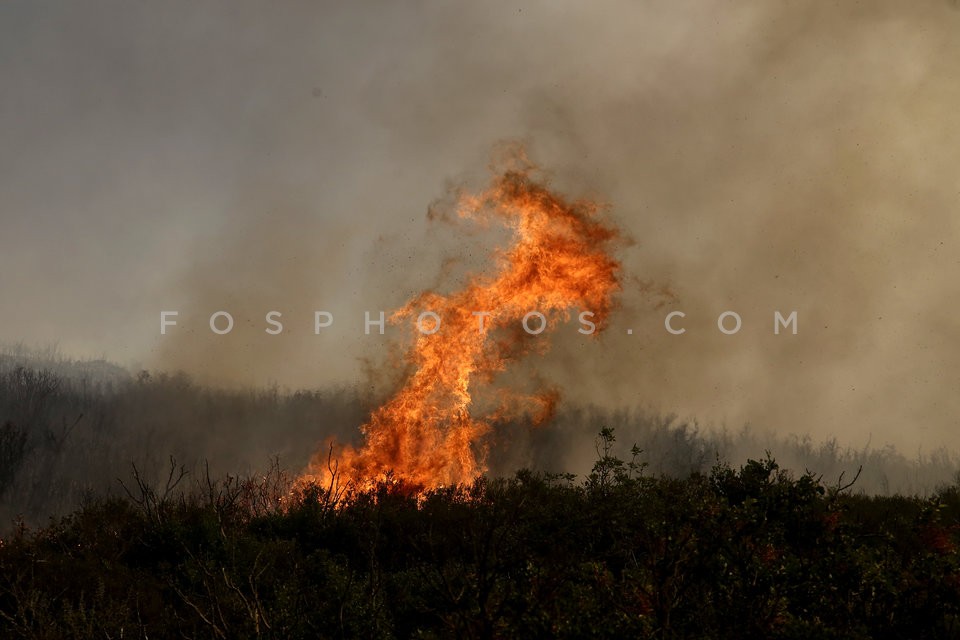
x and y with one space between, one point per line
425 434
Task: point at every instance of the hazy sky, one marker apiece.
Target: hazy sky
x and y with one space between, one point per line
252 156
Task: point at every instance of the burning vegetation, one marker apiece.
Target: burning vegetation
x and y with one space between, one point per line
430 433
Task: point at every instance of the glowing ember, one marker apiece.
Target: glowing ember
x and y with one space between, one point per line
425 434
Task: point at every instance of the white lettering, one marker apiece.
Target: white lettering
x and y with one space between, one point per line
367 322
271 320
534 314
164 323
213 323
729 314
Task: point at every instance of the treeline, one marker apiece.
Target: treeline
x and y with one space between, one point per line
753 552
71 429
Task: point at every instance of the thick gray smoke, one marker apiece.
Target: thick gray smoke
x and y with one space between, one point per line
764 156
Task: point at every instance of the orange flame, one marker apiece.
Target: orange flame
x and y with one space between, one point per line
425 434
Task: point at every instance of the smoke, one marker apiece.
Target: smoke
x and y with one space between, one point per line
762 156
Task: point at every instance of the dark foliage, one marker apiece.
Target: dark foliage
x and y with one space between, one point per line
747 553
72 432
69 429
